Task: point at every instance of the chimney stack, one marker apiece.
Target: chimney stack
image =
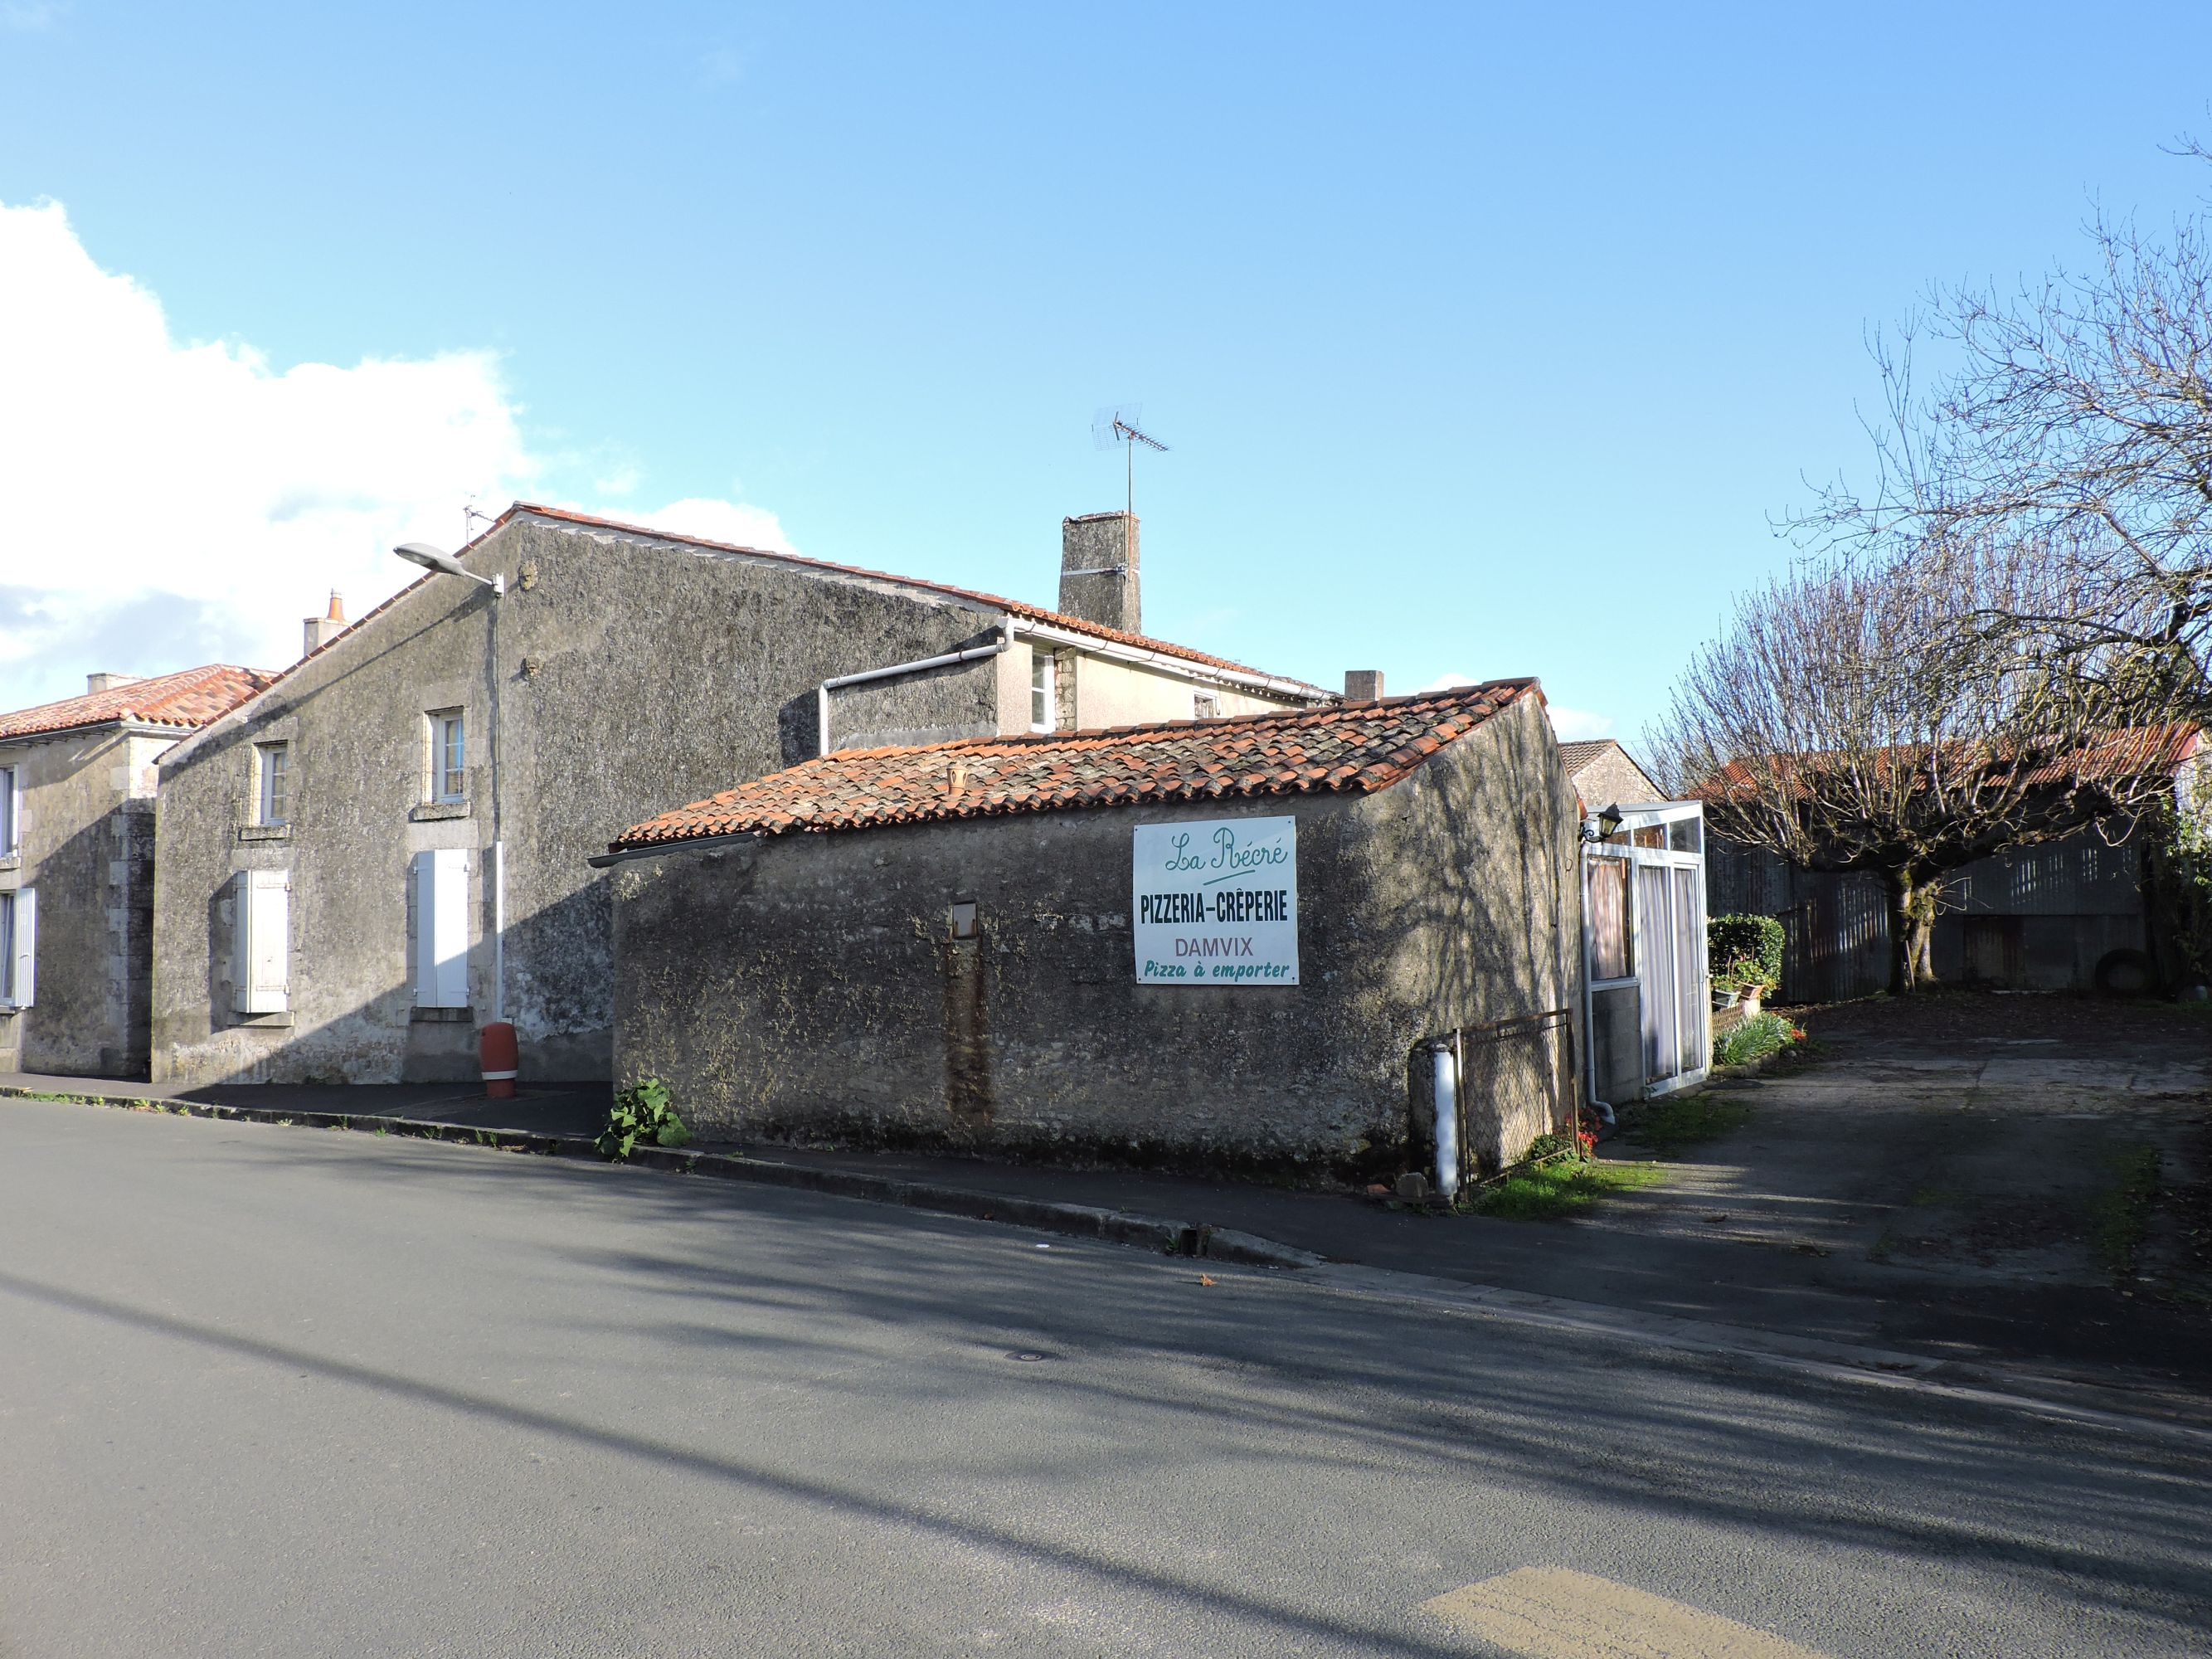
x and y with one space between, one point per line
1098 569
1364 685
109 682
316 632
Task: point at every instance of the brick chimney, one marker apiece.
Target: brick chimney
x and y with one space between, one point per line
316 632
109 682
1363 685
1098 569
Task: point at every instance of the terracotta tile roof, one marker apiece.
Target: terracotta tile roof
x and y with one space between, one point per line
1012 607
1351 748
187 700
1576 755
2123 753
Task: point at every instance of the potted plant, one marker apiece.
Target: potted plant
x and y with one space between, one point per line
1745 954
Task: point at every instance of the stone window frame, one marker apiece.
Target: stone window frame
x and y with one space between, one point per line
11 810
272 793
439 727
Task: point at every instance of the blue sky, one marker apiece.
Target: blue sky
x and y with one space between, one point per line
1487 340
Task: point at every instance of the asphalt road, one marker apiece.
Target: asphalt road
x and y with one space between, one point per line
281 1391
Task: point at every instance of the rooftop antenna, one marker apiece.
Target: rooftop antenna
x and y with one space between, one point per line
1117 424
469 514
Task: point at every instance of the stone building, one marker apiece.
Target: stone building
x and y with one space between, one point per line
76 864
1606 775
1240 941
453 758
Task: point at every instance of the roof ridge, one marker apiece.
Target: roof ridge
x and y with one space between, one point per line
1019 607
1336 711
1345 748
149 698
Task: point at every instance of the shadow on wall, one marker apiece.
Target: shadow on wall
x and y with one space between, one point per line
89 1017
384 1038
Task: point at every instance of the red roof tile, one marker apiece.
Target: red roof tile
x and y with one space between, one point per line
1351 748
2125 752
187 699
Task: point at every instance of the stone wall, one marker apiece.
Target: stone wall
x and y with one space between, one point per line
811 985
88 842
631 674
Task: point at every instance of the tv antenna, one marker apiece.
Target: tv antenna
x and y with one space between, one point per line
1118 425
469 514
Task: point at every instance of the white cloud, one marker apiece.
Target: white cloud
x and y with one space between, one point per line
711 521
170 503
1569 725
1578 725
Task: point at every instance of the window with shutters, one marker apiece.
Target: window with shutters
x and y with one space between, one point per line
261 941
10 811
18 934
438 915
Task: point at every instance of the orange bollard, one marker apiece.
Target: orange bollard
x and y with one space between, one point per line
496 1054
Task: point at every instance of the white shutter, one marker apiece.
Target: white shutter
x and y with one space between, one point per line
261 941
26 930
442 928
11 841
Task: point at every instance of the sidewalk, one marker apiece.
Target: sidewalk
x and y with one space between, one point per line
1634 1254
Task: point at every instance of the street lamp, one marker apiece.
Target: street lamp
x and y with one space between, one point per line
444 564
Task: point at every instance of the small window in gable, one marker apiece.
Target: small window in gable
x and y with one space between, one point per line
1205 706
272 787
449 756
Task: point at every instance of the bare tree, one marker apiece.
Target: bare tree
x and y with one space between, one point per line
2073 432
1857 716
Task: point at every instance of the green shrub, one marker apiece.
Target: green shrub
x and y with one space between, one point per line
641 1112
1744 951
1749 1039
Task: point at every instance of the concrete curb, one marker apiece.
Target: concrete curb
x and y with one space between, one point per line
1157 1233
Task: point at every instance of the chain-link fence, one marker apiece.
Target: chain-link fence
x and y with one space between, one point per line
1517 1081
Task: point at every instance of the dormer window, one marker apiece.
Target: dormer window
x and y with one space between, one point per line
1041 690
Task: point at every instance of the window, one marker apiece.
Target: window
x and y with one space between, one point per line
261 941
449 756
1610 958
9 815
1205 706
19 934
1041 690
273 761
441 925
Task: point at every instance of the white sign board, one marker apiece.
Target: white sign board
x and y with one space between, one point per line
1215 902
